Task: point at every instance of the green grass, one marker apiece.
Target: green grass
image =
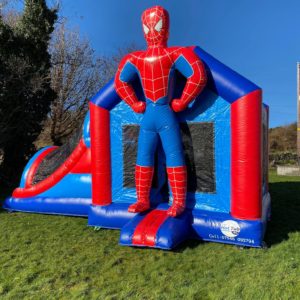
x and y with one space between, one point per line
54 257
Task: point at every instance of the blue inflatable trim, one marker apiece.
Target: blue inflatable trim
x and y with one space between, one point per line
224 81
107 97
29 164
86 130
113 216
53 206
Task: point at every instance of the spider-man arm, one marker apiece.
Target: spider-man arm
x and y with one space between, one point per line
127 73
191 67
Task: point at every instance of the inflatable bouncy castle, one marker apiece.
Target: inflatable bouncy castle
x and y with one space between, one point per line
209 182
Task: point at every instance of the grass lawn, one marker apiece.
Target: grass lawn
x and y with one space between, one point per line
54 257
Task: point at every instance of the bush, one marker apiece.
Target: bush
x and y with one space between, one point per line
283 158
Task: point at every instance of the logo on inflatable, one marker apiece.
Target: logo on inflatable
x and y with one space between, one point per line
230 228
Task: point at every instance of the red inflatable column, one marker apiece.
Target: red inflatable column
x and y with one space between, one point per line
246 157
100 154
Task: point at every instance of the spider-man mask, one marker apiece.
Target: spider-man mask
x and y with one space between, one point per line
156 26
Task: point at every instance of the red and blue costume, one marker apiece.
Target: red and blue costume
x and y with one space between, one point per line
156 68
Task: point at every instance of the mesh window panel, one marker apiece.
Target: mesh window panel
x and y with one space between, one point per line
130 139
198 142
57 157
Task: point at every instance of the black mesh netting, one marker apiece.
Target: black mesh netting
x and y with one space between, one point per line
57 157
130 135
198 142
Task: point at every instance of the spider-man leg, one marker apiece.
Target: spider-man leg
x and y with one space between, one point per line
176 169
144 169
160 120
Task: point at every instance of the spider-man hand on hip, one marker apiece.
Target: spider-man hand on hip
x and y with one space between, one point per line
156 69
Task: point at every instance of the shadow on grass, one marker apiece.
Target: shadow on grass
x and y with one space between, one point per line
4 194
188 244
1 209
285 214
1 204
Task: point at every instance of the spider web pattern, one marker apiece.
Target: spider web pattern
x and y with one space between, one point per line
143 182
178 182
154 66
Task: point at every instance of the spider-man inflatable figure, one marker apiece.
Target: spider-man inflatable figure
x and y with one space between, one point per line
156 69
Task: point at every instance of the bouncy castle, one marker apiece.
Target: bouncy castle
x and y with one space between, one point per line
224 134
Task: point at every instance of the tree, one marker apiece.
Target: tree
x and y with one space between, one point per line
10 16
25 84
76 75
283 138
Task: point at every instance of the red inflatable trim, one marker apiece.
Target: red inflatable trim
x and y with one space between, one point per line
246 157
35 165
100 153
84 164
145 232
55 177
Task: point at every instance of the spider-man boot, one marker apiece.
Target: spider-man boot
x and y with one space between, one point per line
177 180
143 183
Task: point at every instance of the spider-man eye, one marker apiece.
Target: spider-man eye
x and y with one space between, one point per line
159 25
146 29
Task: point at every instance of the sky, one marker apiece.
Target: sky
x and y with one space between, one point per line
259 39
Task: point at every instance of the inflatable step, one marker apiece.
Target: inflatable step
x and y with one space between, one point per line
157 230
